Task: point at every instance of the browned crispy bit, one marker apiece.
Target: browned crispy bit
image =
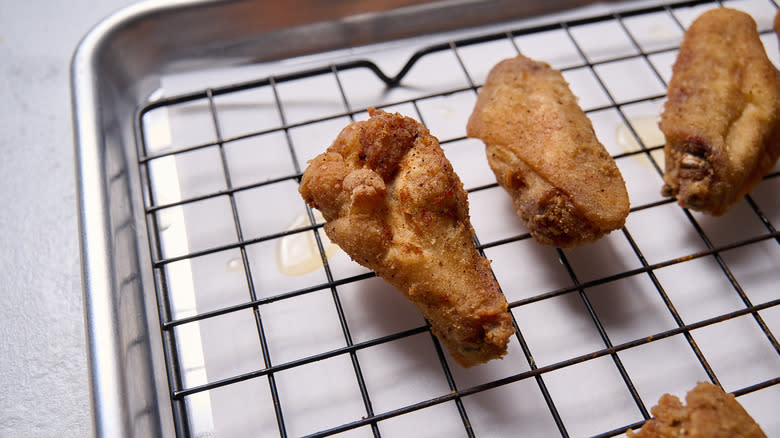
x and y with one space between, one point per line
721 116
544 152
393 203
710 413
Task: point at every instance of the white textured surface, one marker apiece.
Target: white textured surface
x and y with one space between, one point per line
43 375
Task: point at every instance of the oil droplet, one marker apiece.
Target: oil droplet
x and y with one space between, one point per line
663 33
448 113
646 127
234 265
297 254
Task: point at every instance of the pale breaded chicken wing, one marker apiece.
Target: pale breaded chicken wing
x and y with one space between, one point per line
393 203
721 116
710 413
544 152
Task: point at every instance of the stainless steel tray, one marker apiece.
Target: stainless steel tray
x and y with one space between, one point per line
193 120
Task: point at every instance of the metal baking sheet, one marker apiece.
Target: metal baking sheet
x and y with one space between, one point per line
210 311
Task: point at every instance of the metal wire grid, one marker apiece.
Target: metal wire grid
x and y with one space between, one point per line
169 321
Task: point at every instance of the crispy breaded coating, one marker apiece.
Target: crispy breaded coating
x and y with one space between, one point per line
544 152
721 116
393 203
710 413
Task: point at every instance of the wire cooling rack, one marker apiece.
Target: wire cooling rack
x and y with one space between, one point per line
263 339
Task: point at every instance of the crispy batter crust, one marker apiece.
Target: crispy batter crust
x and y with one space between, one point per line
394 204
544 152
710 413
721 116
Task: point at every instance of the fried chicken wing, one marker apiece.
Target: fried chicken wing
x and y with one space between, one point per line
544 152
393 203
721 116
710 413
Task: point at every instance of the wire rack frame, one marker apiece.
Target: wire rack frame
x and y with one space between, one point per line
168 323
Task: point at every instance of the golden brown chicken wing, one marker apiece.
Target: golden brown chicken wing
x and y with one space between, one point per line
721 116
394 204
710 413
544 152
